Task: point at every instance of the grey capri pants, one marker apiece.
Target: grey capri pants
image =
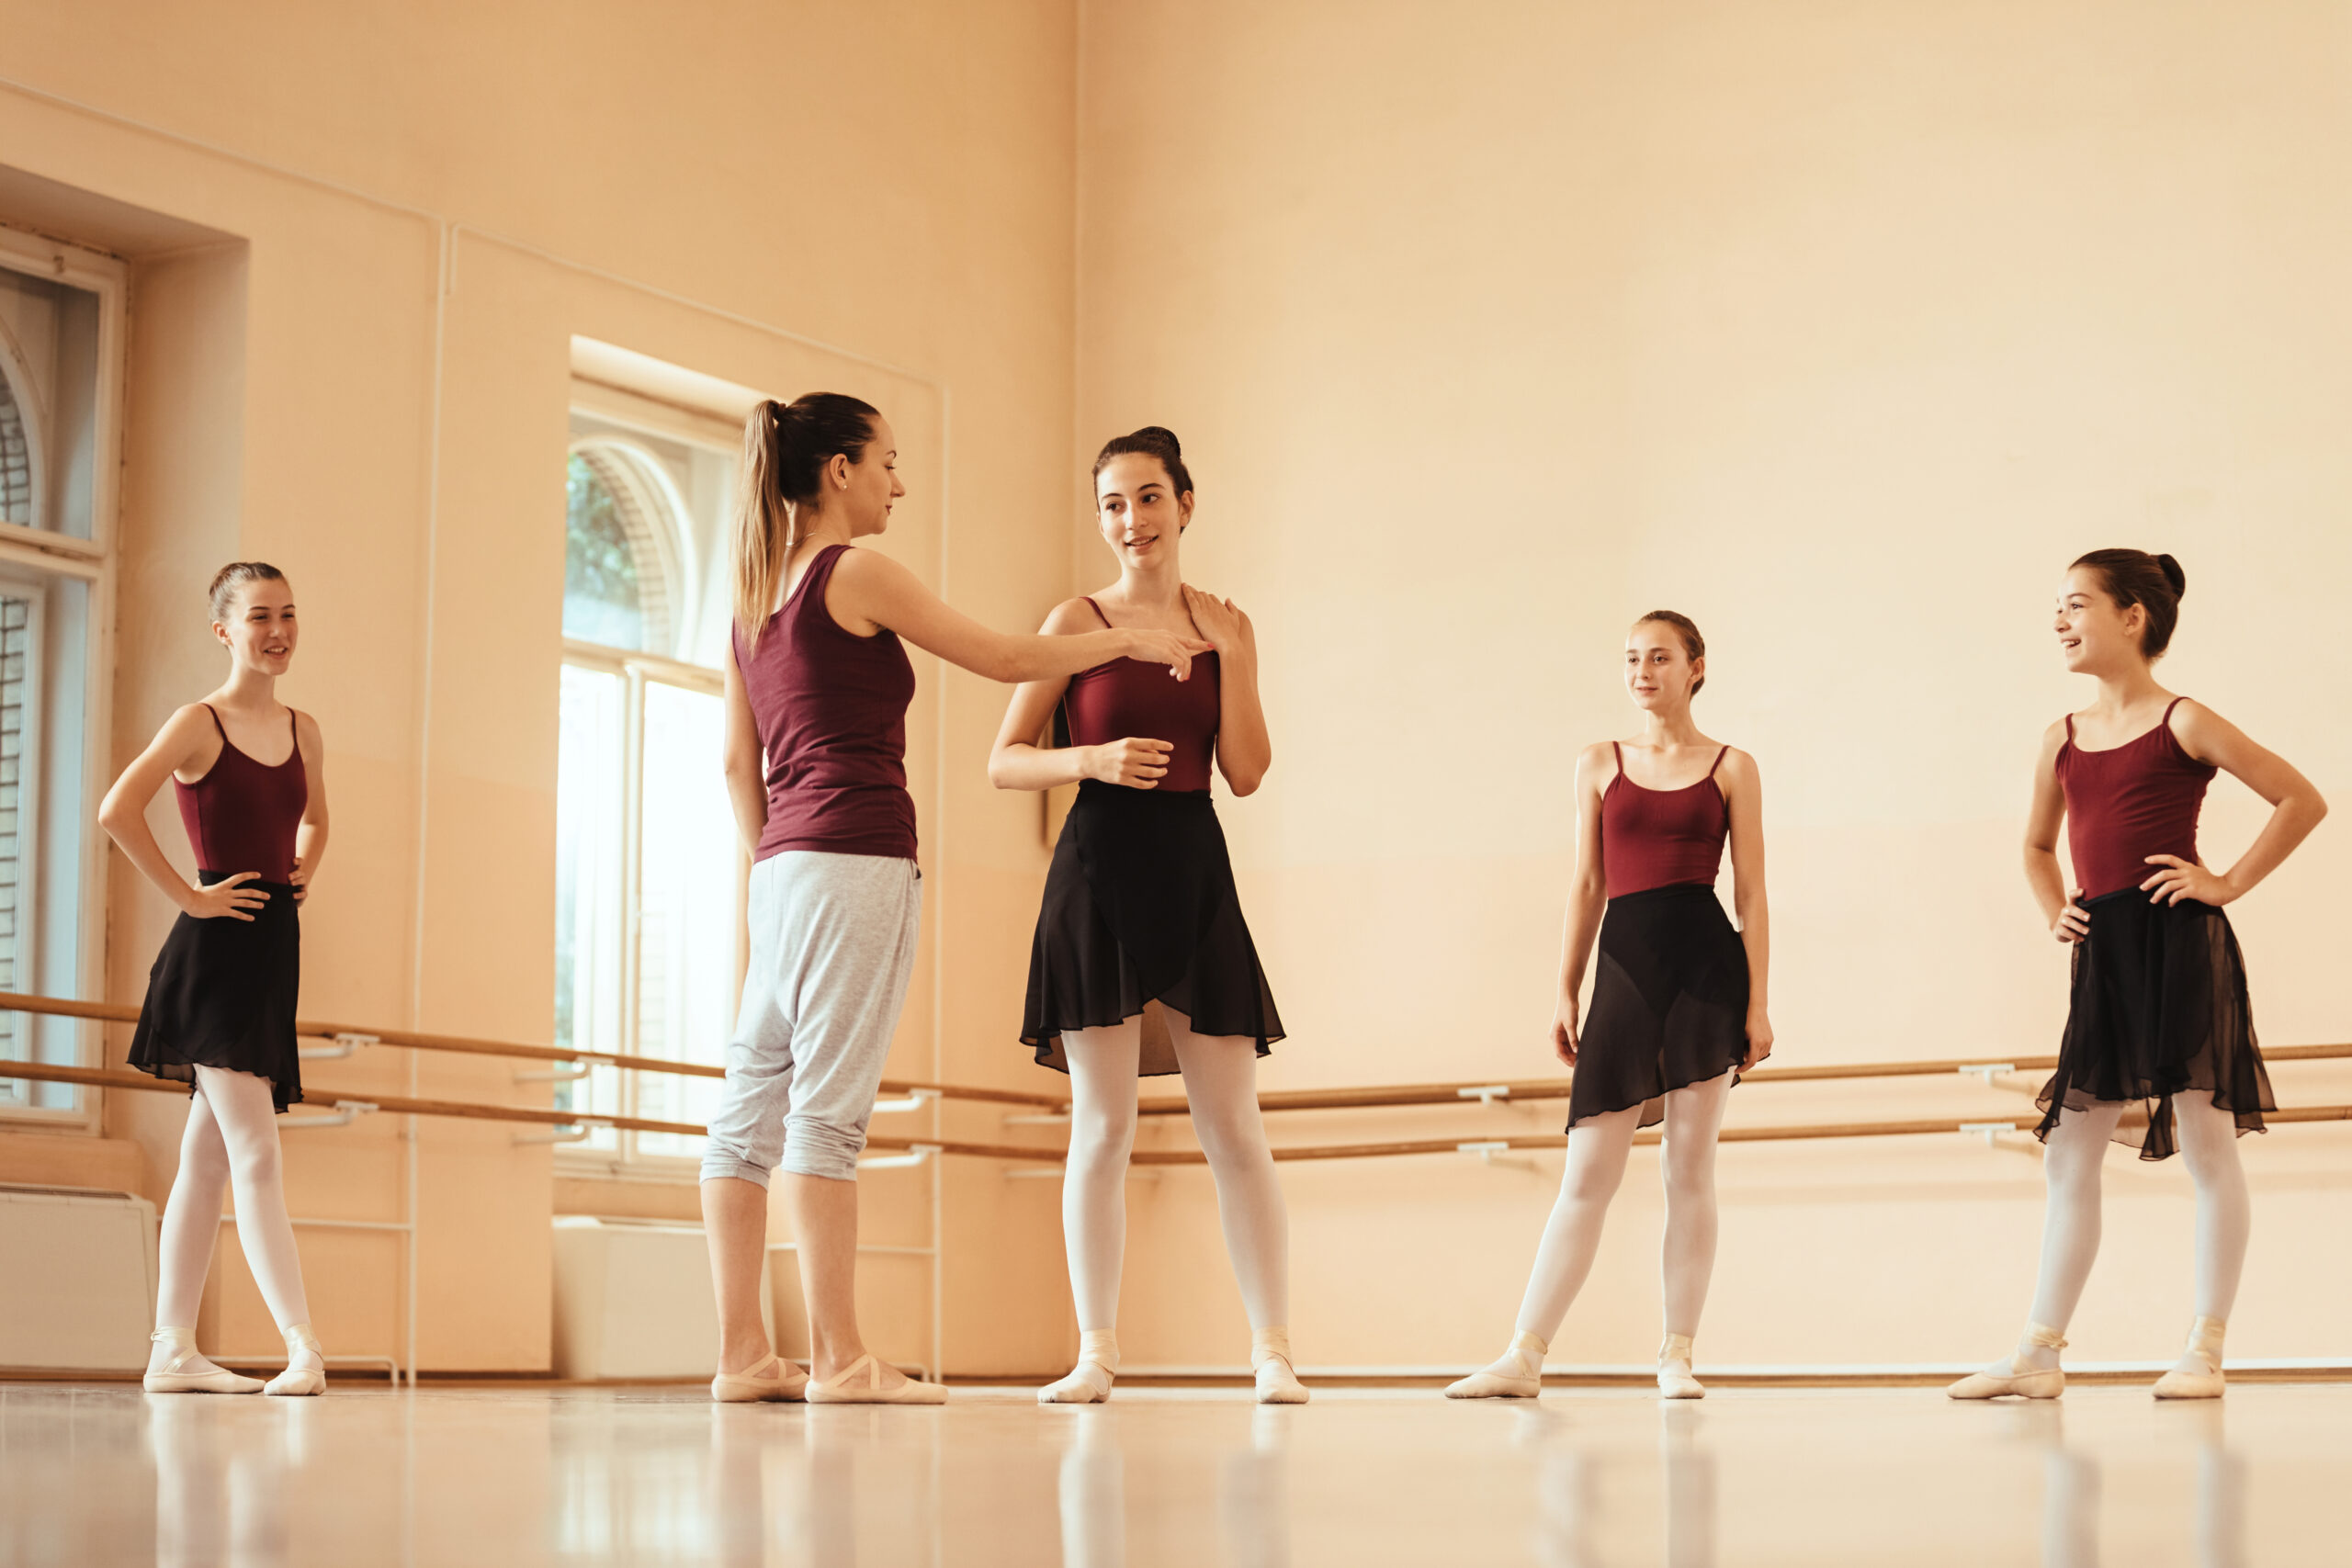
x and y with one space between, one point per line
832 945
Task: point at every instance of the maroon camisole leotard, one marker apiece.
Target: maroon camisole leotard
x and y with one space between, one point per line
242 816
1661 837
2129 802
1128 698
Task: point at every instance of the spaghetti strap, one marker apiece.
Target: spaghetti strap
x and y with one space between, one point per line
2168 707
216 719
2070 729
1718 761
1620 752
1098 610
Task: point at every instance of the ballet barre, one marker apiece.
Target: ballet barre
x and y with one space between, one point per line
346 1038
1052 1110
100 1077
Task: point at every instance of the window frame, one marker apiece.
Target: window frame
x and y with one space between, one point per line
49 557
609 405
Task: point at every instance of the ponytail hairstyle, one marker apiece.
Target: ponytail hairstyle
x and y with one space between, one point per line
1151 441
231 579
1694 644
2153 582
786 448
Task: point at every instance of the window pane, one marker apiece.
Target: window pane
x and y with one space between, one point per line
687 922
603 598
44 628
588 886
48 403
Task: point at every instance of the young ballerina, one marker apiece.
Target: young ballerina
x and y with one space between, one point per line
2159 1020
220 1009
1677 1004
816 692
1142 962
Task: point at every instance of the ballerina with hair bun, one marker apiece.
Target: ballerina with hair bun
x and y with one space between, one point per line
2159 1050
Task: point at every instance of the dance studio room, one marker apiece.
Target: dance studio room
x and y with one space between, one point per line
1102 782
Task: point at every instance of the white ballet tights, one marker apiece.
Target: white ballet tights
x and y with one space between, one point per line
1597 1150
2071 1164
232 1141
1221 1082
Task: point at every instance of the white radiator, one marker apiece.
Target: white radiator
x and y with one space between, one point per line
77 1279
633 1299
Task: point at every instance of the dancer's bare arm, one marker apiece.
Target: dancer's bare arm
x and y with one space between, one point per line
1743 788
1588 897
1019 760
2296 809
870 591
2062 912
189 741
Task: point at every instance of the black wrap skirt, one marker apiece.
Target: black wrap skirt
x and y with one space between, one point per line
222 995
1140 917
1669 1003
2159 1009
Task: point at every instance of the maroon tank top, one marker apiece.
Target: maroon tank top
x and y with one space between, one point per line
831 712
1129 698
1661 837
2129 802
242 814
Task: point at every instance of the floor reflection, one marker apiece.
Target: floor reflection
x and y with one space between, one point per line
2073 1482
1577 1481
1252 1489
522 1477
221 1480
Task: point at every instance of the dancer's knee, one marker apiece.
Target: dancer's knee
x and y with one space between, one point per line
1591 1181
818 1147
254 1161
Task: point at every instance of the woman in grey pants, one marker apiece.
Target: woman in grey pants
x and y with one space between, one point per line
817 693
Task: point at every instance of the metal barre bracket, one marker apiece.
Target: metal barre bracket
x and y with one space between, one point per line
1485 1094
589 1062
581 1127
1992 1131
345 1112
1484 1149
1988 1071
917 1154
916 1100
345 1043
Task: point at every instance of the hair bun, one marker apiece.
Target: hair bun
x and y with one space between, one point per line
2174 575
1162 433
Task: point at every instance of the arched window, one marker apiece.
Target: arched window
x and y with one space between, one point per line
19 502
623 538
647 897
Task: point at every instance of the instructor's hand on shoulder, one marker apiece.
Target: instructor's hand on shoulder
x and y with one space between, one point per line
1135 762
230 897
1563 1032
1220 620
1167 647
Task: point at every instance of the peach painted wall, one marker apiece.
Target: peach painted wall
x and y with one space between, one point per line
1841 329
368 383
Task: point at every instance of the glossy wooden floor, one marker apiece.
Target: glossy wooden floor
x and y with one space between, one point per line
103 1474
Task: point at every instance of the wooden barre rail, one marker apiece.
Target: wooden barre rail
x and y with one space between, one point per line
398 1105
113 1012
1372 1096
1375 1097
